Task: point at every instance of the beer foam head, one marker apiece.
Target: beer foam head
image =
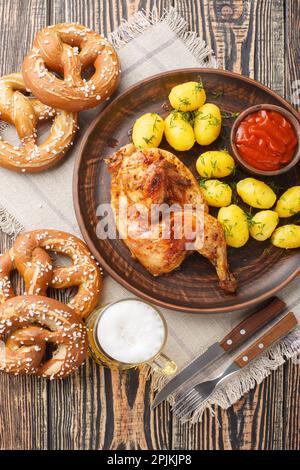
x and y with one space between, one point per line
130 331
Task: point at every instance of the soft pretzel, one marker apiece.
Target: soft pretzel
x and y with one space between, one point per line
83 273
68 49
33 263
25 113
27 325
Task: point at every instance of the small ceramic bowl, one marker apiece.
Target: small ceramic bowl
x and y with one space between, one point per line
253 109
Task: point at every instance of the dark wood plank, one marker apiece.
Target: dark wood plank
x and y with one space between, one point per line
292 52
227 26
269 45
102 15
23 410
253 423
77 419
19 21
291 405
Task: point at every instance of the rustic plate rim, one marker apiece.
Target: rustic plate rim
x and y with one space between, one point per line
123 282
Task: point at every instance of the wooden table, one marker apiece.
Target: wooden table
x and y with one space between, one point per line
97 409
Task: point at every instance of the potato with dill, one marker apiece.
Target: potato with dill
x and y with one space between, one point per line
263 224
216 193
148 131
187 96
235 225
207 124
215 164
256 193
287 237
179 132
289 203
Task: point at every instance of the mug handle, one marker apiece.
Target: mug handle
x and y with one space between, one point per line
164 365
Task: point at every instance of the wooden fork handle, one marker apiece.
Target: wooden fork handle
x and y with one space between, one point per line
245 329
278 331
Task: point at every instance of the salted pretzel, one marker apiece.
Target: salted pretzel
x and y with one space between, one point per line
69 49
27 325
25 113
83 273
34 264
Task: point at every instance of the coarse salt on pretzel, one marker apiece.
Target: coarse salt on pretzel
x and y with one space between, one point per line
68 49
33 263
25 113
83 273
28 324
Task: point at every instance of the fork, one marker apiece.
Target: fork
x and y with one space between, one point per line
190 401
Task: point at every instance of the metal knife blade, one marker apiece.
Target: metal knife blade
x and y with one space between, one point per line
195 394
215 351
210 355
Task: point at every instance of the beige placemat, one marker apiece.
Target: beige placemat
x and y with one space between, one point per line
146 46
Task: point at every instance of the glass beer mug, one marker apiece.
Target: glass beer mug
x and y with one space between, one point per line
127 334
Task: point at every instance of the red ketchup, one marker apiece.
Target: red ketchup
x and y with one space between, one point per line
266 140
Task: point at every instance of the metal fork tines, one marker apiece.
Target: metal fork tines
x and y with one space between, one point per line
190 400
197 394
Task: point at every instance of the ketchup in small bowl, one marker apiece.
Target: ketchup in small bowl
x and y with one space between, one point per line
265 139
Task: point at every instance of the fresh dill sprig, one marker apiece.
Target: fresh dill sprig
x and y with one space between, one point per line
232 115
155 121
202 183
184 101
217 94
199 86
212 120
148 140
187 116
267 251
249 217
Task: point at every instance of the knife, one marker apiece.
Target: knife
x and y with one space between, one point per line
196 394
239 335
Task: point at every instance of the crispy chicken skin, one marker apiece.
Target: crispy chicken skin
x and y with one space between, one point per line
154 176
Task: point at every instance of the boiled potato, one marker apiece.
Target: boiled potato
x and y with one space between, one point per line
215 164
289 203
287 236
263 224
256 193
148 131
179 132
207 124
235 225
187 96
216 193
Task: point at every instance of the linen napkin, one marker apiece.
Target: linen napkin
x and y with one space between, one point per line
146 46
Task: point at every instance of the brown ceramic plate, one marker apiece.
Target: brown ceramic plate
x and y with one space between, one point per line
261 269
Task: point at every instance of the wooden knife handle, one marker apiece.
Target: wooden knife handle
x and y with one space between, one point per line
244 330
279 330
